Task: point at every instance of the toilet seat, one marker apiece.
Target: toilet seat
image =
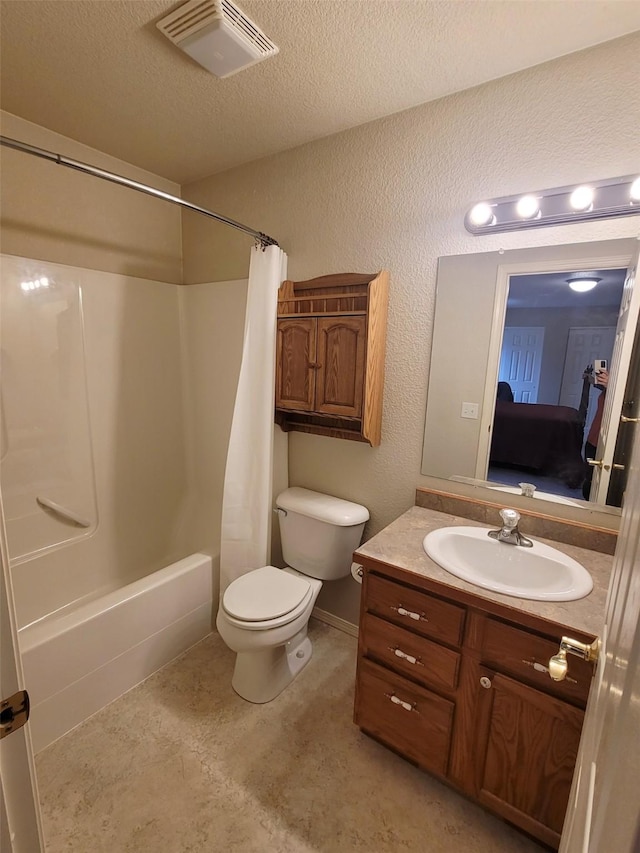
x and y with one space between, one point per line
266 598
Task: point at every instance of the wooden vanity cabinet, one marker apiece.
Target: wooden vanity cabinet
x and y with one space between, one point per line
453 683
330 355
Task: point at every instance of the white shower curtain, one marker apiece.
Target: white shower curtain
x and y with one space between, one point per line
247 497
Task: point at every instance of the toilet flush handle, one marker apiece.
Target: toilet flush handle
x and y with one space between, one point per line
279 511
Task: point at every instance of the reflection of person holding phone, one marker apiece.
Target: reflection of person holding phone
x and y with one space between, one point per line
591 444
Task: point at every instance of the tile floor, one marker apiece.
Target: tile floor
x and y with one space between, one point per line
180 763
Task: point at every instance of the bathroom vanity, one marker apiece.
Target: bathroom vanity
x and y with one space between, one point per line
455 678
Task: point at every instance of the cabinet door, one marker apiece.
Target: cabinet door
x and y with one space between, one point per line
296 364
527 747
341 361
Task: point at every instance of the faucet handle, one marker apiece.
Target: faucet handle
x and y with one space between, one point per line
510 518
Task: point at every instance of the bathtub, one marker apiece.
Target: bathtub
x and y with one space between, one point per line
77 661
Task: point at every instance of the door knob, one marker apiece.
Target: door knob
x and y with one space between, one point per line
558 665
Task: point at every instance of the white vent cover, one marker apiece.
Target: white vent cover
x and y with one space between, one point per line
218 35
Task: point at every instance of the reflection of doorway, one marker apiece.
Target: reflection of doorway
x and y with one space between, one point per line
544 319
520 361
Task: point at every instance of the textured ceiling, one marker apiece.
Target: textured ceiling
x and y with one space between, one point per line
100 72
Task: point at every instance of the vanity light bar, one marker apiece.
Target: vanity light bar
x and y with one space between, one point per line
578 203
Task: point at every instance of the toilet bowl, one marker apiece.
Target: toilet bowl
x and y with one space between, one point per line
270 651
263 614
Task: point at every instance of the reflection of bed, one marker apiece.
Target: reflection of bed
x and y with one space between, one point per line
547 439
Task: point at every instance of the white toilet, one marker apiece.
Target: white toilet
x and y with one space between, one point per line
264 614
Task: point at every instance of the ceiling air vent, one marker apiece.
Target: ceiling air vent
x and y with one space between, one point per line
218 35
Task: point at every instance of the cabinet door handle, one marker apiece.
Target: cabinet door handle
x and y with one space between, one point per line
397 701
314 365
402 611
409 658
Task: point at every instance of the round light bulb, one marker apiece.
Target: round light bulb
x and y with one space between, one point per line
481 214
528 207
634 192
581 198
582 285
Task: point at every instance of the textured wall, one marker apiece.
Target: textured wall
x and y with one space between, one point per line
393 194
56 214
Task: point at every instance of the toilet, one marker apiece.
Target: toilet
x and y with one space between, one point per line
263 614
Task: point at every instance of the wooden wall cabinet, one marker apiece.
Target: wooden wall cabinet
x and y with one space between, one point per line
458 687
330 355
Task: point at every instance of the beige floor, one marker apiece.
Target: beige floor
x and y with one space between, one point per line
183 764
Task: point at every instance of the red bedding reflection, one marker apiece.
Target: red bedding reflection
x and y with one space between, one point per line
542 438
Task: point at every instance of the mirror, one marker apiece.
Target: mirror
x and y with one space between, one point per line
476 296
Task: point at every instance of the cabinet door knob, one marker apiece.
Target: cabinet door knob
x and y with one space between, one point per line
314 365
485 682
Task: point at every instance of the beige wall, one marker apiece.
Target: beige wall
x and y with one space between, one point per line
393 194
53 213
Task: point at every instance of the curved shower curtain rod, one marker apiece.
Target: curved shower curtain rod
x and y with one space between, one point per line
263 239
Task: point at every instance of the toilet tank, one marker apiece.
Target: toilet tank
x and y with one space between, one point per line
319 532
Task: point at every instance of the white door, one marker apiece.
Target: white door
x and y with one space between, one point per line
619 369
604 807
21 827
583 346
520 361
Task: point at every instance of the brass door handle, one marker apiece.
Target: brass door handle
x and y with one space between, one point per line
598 463
558 665
626 420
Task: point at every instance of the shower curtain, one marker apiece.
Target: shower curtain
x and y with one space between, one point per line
247 497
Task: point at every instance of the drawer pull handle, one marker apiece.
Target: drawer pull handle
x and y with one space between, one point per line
409 658
397 701
402 611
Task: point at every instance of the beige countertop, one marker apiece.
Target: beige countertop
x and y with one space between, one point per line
400 544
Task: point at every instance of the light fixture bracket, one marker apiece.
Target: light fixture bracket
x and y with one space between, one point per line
612 197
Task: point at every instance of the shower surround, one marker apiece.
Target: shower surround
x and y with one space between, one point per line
102 606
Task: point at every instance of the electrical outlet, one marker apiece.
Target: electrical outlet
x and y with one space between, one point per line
469 410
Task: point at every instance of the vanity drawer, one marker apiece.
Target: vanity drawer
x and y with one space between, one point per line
517 652
410 654
408 718
417 610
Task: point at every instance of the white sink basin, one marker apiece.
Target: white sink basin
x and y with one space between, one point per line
540 573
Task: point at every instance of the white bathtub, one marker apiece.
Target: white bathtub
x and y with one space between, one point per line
78 661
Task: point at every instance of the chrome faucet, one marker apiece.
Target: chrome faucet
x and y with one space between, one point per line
509 532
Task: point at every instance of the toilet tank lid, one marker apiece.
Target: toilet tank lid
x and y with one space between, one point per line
322 507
